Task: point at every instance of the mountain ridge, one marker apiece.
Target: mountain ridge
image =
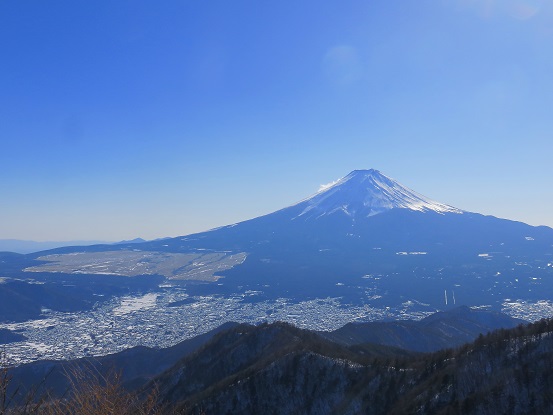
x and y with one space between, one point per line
278 366
443 329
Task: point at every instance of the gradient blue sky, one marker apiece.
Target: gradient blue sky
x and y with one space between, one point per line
123 119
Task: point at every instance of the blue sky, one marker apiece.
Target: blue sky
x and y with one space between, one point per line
149 119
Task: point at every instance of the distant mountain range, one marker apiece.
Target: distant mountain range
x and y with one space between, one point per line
27 247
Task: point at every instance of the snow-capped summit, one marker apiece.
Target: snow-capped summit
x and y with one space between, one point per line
364 193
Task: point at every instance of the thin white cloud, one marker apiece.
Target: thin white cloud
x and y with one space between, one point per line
323 187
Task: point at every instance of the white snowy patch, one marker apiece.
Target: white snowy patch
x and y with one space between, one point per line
365 193
132 304
40 347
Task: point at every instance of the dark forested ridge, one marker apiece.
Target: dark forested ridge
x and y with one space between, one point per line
503 372
278 368
441 330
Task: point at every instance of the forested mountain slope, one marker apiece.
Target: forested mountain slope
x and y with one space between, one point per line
280 369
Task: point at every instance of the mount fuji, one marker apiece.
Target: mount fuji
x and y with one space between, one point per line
364 193
369 238
366 239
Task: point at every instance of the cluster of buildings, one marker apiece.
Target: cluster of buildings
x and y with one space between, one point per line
150 320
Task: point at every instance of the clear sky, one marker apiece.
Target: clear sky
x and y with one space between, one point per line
130 118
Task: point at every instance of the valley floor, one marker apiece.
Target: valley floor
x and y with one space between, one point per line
167 317
154 320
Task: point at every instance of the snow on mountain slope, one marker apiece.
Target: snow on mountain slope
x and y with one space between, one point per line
364 193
